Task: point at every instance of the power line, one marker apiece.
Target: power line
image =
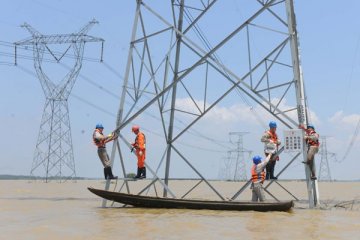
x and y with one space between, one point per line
353 139
146 129
101 109
207 45
192 131
30 49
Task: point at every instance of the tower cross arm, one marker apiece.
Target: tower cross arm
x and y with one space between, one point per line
87 27
35 33
59 39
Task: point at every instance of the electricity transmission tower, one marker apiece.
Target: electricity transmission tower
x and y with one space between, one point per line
186 59
54 149
324 170
240 164
234 163
224 171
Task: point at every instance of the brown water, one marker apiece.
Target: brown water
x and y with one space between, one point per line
36 210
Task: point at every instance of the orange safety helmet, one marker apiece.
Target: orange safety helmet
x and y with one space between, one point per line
135 128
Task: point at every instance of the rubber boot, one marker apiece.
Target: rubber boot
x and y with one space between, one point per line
313 177
143 172
111 174
138 174
268 170
105 173
273 177
272 168
311 166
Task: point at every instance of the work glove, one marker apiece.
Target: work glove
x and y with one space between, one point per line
115 135
140 153
272 151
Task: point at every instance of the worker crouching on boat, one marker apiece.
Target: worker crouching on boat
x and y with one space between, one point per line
140 150
100 141
258 177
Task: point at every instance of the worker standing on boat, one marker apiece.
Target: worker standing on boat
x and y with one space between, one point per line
258 177
100 141
271 145
312 140
140 149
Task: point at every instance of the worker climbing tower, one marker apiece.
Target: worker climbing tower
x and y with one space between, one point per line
186 59
54 149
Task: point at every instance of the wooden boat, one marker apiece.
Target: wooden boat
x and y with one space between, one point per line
156 202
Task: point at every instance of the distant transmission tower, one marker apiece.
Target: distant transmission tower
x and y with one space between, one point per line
54 150
324 171
225 170
239 165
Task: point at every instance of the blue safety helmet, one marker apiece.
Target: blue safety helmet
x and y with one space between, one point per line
99 125
310 126
272 124
257 159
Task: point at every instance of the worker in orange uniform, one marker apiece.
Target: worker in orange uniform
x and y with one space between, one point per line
100 141
140 149
312 140
271 145
258 177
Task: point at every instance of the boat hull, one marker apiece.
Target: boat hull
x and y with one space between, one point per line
156 202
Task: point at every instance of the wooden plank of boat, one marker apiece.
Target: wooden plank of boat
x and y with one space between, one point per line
156 202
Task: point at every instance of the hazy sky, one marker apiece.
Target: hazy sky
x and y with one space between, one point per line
329 34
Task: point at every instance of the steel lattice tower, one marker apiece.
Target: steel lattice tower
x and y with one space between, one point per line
184 60
225 172
240 171
54 149
235 165
324 170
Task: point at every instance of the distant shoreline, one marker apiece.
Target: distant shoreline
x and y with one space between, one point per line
26 177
